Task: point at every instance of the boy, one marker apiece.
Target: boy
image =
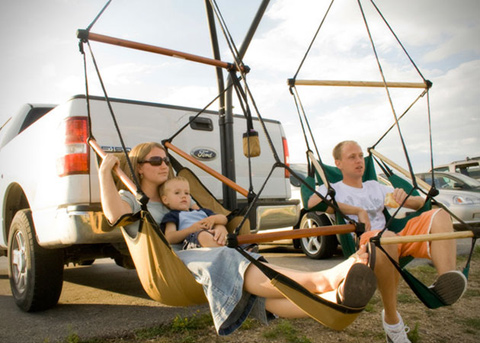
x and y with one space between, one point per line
195 228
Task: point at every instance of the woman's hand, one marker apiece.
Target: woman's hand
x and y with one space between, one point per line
108 163
219 233
207 223
112 204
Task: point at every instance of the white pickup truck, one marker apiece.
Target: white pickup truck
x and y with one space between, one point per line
49 194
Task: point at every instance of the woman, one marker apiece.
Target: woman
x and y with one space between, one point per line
234 287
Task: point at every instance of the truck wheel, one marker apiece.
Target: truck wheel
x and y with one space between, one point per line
320 247
36 273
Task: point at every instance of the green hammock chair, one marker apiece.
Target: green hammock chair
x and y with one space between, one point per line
347 241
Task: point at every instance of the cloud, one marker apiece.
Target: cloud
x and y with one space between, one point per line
44 65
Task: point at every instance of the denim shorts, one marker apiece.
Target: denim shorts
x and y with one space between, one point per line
191 242
221 273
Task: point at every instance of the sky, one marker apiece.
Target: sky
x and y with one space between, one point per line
40 63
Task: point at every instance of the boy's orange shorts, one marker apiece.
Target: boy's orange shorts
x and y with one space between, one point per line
419 225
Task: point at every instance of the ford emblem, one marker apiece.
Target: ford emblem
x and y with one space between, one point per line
204 154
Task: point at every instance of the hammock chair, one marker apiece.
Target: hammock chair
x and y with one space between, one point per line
163 275
319 173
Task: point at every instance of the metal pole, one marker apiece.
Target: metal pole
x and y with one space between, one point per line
228 128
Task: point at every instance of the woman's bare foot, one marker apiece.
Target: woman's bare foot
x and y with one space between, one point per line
329 280
361 256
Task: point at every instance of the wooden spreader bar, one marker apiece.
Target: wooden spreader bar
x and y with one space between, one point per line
86 35
423 85
295 234
420 182
207 169
428 237
120 173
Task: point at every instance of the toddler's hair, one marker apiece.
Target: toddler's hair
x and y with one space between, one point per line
165 184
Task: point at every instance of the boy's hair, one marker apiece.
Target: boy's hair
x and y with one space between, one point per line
337 151
164 185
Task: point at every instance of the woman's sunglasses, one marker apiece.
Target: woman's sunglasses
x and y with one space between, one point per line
157 161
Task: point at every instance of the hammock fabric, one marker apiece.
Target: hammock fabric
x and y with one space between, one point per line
162 274
205 199
325 312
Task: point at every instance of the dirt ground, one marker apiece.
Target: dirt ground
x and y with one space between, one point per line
457 323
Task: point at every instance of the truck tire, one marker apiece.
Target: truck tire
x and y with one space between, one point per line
320 247
36 273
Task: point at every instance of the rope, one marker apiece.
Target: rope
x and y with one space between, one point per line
400 43
140 193
196 116
246 94
399 118
98 15
107 99
229 39
402 140
87 94
304 121
313 40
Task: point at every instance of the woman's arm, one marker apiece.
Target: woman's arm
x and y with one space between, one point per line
113 205
175 236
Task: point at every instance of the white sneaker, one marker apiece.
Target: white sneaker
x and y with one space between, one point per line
450 286
397 333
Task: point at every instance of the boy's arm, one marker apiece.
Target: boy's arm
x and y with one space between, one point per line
314 200
345 209
215 219
219 219
175 236
357 211
412 202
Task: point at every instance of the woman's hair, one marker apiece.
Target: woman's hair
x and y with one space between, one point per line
337 151
140 152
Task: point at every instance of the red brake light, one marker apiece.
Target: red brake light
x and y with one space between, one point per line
75 157
286 156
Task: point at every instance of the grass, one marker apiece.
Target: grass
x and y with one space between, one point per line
199 326
284 331
181 329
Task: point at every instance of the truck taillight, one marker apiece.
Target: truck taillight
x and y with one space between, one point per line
74 157
286 155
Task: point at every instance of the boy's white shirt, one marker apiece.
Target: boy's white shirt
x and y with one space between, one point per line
370 197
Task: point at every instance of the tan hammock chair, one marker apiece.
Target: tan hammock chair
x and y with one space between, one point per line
166 279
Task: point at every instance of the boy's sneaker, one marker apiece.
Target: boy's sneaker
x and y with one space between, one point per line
396 333
450 286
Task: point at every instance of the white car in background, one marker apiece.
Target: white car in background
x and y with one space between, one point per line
458 192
